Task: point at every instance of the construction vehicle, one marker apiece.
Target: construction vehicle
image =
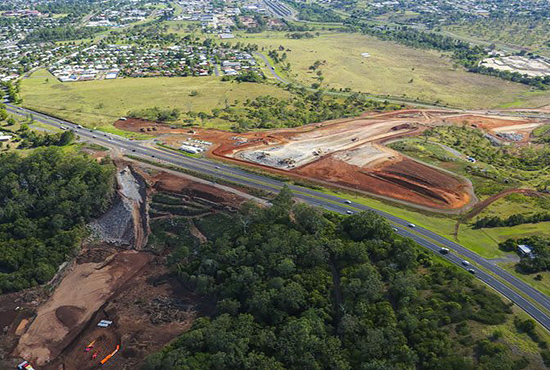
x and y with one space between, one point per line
108 357
24 366
90 346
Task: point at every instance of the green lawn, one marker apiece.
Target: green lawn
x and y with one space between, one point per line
392 69
516 204
100 103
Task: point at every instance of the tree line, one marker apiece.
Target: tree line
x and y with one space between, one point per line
302 108
296 288
513 220
61 33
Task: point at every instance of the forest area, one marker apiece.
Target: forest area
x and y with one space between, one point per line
296 288
46 199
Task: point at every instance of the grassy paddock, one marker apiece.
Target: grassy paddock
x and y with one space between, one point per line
392 69
100 103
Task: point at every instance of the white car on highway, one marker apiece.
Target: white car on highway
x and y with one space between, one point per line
412 226
465 263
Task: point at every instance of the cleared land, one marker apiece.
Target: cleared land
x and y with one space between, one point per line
59 321
100 103
348 153
392 69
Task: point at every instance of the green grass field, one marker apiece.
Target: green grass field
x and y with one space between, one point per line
390 70
516 204
100 103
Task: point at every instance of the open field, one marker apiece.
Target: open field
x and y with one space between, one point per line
392 69
101 103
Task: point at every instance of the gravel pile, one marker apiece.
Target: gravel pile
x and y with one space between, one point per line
121 224
116 226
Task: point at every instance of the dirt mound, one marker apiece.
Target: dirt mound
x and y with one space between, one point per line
406 180
69 315
165 181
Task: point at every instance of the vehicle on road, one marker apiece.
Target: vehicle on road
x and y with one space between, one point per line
217 167
347 201
412 226
444 250
394 229
63 127
465 263
349 212
79 126
471 271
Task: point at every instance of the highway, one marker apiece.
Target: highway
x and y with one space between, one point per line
424 237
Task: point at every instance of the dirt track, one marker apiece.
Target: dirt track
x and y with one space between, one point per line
478 208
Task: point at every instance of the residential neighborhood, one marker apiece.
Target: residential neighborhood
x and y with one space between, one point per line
115 61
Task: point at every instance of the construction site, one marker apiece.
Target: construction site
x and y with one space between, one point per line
353 153
117 301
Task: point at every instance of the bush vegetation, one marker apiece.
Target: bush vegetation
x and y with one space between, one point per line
538 261
156 114
46 199
298 289
303 107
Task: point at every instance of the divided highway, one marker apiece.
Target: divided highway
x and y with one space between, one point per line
507 284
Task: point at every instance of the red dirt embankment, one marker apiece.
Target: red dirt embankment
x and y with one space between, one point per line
404 180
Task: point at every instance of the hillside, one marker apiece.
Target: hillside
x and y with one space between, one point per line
298 289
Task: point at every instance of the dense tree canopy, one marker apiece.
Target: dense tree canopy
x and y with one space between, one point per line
45 200
298 289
